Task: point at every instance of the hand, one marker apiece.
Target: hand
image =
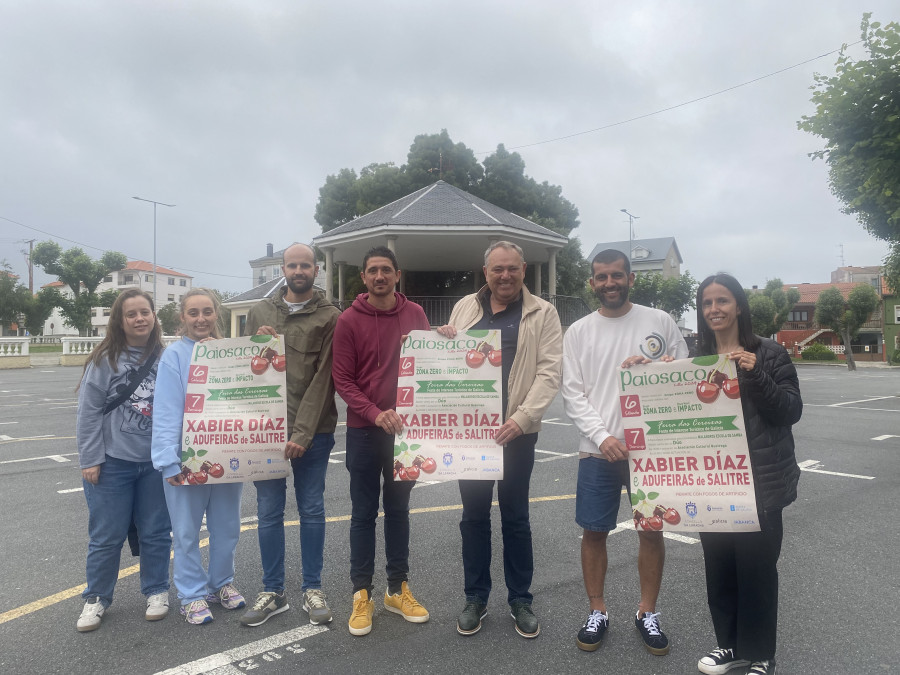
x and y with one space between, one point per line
508 432
447 331
635 361
175 480
91 474
266 330
389 421
292 450
665 358
743 360
613 449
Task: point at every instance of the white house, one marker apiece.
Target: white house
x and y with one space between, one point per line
648 255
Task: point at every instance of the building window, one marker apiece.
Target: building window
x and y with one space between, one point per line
242 324
182 282
171 281
107 311
107 279
171 297
798 316
146 277
897 313
129 278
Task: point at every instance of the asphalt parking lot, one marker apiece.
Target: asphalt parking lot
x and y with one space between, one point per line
838 569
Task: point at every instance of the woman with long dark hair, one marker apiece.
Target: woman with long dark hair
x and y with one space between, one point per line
114 421
741 567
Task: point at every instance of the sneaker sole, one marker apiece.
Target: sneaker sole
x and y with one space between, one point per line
156 617
88 629
721 669
360 631
266 617
474 630
316 622
411 619
659 651
589 646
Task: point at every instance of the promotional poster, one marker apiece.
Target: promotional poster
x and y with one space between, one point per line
448 396
688 459
235 413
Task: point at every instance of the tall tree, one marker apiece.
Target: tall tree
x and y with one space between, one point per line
846 319
169 318
769 309
674 295
501 180
858 116
82 275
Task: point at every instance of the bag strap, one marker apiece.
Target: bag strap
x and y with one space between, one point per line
133 383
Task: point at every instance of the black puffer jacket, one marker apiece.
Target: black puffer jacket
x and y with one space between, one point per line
770 394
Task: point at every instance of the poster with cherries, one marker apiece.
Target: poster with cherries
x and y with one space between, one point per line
448 397
688 458
235 412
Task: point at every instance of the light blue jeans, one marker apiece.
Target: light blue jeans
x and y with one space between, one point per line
222 505
309 486
125 490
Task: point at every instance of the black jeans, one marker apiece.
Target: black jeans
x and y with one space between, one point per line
475 527
370 456
742 587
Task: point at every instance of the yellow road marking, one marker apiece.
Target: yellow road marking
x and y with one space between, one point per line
43 603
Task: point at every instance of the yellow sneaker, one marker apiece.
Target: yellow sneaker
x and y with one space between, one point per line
404 604
361 619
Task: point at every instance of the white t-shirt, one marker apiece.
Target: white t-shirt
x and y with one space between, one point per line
593 350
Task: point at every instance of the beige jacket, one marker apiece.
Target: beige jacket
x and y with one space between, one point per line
535 374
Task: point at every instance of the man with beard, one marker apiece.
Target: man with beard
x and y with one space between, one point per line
619 334
307 321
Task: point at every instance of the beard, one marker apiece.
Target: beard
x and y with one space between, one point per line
299 286
610 303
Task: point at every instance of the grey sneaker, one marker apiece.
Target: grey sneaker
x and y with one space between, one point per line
228 596
266 604
526 622
90 615
315 604
157 606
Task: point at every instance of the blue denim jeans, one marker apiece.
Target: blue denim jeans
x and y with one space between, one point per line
475 526
370 457
126 490
309 487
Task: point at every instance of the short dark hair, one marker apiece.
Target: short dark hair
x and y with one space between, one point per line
608 257
381 252
706 339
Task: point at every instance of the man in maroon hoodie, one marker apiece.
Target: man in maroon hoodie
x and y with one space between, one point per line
366 364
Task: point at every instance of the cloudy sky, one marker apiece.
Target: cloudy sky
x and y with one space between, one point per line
237 111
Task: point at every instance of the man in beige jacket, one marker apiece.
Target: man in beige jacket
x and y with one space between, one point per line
531 338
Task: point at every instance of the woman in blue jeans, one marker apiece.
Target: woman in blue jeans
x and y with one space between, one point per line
115 413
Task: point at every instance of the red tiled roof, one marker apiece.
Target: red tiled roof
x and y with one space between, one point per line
143 266
809 293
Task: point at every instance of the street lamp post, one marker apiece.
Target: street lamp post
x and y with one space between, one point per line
631 220
155 203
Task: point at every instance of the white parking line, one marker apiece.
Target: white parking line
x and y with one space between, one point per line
884 437
65 492
8 422
812 465
55 458
628 526
222 663
862 400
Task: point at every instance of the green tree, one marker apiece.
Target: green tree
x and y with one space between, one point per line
11 299
846 319
169 318
501 180
769 309
82 275
36 310
858 116
674 295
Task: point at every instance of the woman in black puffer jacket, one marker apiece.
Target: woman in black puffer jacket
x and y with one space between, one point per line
741 568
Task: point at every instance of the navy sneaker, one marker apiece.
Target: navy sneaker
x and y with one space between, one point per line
592 632
654 639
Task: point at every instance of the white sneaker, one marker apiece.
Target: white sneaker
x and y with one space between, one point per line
157 606
90 616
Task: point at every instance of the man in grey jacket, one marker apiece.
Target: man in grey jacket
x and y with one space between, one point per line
531 350
306 320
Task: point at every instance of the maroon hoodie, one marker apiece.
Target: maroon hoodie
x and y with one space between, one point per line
367 356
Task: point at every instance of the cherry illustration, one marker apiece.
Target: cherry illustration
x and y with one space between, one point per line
216 470
474 358
429 465
707 392
732 388
279 362
200 477
655 523
258 365
412 472
495 357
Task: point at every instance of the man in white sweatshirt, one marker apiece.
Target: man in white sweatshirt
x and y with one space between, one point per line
619 334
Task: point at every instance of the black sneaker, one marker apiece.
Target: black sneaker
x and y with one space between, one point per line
266 604
654 639
720 661
526 622
593 630
762 667
469 621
